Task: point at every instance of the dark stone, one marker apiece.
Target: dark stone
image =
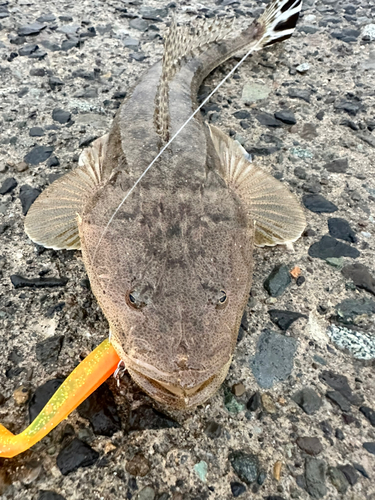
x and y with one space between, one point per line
38 154
318 204
338 166
4 227
76 454
370 447
361 470
20 282
326 427
330 247
315 476
146 417
48 350
8 185
245 465
369 413
254 402
300 280
339 435
61 116
56 308
28 195
277 281
49 495
26 50
340 383
308 400
339 399
260 150
310 445
242 114
304 94
273 360
120 94
274 497
46 18
36 132
53 161
300 172
38 72
346 35
283 319
350 473
71 43
340 228
360 276
338 479
286 116
31 29
87 141
55 83
349 309
213 430
367 138
268 120
261 477
100 409
41 397
350 107
237 488
320 115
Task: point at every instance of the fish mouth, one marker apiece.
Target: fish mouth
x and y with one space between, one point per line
176 395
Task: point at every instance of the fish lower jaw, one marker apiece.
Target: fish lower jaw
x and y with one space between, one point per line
176 396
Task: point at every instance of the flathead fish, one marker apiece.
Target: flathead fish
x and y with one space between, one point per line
171 267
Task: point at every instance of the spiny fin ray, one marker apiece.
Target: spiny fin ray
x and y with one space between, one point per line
277 213
52 219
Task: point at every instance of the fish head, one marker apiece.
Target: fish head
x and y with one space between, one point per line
173 294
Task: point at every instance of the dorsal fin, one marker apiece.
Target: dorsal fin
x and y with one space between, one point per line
181 42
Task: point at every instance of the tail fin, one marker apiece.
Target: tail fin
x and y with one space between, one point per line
279 21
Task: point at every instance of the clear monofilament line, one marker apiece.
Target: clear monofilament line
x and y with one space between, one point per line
252 49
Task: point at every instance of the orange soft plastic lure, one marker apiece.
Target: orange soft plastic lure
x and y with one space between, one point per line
88 376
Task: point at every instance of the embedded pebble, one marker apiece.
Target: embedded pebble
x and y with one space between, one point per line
21 395
308 400
75 455
318 204
310 445
245 465
340 228
360 276
361 345
138 465
284 319
100 409
278 280
146 417
273 360
328 247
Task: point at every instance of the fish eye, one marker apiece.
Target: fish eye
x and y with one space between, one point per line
133 300
222 300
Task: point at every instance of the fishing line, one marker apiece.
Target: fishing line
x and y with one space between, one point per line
170 141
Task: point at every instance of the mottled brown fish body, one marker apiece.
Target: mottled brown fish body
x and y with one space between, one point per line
171 264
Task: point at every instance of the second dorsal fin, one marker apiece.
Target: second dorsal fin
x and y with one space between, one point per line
181 42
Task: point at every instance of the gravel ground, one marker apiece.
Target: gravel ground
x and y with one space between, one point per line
295 416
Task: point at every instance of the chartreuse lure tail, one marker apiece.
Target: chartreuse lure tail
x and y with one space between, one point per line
82 382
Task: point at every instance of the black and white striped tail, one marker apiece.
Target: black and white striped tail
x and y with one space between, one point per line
279 20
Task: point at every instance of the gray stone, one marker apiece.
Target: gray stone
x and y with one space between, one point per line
350 311
310 445
360 276
338 166
8 185
61 116
304 94
338 479
146 493
38 154
253 92
308 400
245 465
370 447
318 204
340 228
369 413
328 247
339 399
350 473
315 476
31 29
340 383
277 281
286 116
273 360
138 24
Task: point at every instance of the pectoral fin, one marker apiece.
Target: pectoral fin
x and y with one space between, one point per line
88 376
278 216
52 219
